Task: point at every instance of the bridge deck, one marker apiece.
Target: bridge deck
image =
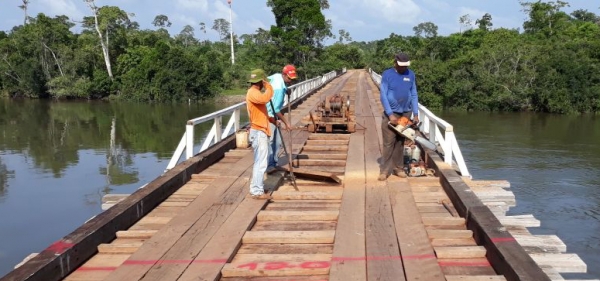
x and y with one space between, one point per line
364 230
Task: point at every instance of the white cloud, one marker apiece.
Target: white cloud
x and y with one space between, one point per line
221 10
62 7
398 11
185 20
193 4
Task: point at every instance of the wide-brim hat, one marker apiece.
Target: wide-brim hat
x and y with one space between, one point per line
257 75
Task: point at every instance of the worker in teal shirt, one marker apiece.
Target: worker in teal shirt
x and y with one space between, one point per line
280 83
399 98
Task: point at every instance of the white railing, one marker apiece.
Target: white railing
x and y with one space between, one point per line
440 132
217 133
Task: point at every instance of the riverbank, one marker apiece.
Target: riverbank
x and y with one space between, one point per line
229 99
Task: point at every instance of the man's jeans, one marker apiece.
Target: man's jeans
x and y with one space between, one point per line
274 145
260 144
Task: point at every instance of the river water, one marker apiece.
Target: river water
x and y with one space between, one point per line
57 160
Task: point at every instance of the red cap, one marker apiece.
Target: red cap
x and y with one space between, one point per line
290 71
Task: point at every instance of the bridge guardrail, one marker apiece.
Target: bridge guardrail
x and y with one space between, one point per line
439 131
217 132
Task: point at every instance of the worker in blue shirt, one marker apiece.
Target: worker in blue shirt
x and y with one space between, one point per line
399 98
280 83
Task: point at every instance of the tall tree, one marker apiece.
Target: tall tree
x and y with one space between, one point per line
221 26
161 21
344 36
584 15
465 22
426 29
300 28
24 8
186 35
545 17
485 22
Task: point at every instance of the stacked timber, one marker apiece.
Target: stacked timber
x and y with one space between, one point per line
548 251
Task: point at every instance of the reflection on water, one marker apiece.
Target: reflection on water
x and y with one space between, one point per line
552 163
57 160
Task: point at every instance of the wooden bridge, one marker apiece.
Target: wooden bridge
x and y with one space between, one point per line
196 222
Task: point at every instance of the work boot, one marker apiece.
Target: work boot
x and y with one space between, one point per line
382 177
263 196
399 172
271 169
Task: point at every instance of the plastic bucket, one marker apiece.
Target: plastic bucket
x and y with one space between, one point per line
242 139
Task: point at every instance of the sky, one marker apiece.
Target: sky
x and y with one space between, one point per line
365 20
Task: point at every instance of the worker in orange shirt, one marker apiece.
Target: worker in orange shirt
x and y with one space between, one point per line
260 130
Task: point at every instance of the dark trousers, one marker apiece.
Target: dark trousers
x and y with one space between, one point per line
393 146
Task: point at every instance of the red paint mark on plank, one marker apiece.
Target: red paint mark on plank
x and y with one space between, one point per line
503 239
60 247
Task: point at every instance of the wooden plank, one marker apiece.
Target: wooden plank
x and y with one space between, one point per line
300 204
298 237
412 235
289 187
314 175
225 242
479 266
449 234
294 226
324 148
460 252
298 215
320 155
329 137
441 242
475 278
509 258
309 195
545 242
136 234
319 162
327 142
119 248
265 269
286 249
182 229
443 221
381 239
187 246
350 232
279 278
563 263
81 244
264 258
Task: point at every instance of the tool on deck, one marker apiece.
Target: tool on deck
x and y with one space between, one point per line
288 156
408 129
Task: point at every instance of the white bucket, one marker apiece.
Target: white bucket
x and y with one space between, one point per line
242 139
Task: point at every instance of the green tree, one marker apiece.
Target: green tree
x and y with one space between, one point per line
161 21
222 27
545 17
106 20
300 29
426 29
485 22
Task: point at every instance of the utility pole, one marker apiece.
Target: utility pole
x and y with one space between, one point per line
231 31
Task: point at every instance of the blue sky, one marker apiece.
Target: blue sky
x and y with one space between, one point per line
366 20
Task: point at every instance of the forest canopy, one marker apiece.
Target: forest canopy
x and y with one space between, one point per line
551 64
